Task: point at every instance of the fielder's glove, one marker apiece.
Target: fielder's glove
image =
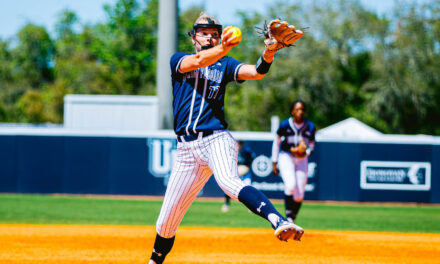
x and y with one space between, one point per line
300 150
278 35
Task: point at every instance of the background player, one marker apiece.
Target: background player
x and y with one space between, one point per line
296 139
244 161
204 145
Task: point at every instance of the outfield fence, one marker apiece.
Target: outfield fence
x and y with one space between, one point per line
58 160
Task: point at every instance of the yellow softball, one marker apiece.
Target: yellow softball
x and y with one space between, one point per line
236 32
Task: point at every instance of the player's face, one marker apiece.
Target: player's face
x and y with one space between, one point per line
206 37
298 112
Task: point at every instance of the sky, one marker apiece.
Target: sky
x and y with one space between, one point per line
14 14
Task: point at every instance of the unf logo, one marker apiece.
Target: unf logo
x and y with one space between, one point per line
262 166
311 169
161 156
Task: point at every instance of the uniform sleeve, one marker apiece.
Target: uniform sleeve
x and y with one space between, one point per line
232 68
175 62
276 148
280 130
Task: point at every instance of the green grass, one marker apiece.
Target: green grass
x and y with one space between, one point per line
54 209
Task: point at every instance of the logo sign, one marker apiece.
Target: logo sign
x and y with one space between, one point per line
311 172
161 157
311 169
394 175
262 166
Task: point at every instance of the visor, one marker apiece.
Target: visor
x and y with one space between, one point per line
196 26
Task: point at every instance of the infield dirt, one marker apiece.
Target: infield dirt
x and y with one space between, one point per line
68 244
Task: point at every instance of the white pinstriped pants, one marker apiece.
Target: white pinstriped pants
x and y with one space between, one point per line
294 174
196 161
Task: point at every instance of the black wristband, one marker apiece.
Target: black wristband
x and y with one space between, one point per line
262 66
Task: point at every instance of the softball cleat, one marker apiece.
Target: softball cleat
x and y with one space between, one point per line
286 230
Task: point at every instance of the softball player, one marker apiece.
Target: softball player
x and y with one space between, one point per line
204 145
296 138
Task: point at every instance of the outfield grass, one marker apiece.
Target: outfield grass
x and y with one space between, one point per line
54 209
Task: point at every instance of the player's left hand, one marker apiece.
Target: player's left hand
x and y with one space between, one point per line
279 34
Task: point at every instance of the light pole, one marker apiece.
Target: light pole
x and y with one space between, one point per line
166 46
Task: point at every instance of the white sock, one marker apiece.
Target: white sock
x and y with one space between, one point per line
273 218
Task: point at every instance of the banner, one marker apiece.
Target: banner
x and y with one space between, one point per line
395 175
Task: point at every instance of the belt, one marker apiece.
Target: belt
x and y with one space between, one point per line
192 137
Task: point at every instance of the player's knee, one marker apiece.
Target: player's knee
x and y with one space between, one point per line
232 188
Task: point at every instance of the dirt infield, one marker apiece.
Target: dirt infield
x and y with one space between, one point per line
63 244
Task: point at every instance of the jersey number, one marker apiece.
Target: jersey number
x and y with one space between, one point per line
213 91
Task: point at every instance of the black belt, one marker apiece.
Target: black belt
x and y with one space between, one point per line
192 137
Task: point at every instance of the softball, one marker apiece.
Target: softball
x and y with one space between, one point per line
236 32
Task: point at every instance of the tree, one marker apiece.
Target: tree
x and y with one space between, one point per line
5 78
326 68
127 45
351 62
33 56
31 107
404 91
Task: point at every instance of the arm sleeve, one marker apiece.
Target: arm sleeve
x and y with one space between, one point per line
280 131
312 137
276 148
311 146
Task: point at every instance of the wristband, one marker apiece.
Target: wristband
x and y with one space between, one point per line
262 66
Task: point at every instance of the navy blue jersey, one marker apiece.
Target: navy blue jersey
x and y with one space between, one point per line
245 156
291 134
199 95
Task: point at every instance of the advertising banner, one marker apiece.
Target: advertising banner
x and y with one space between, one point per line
395 175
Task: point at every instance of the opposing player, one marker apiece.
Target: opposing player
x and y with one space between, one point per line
293 144
244 161
204 145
